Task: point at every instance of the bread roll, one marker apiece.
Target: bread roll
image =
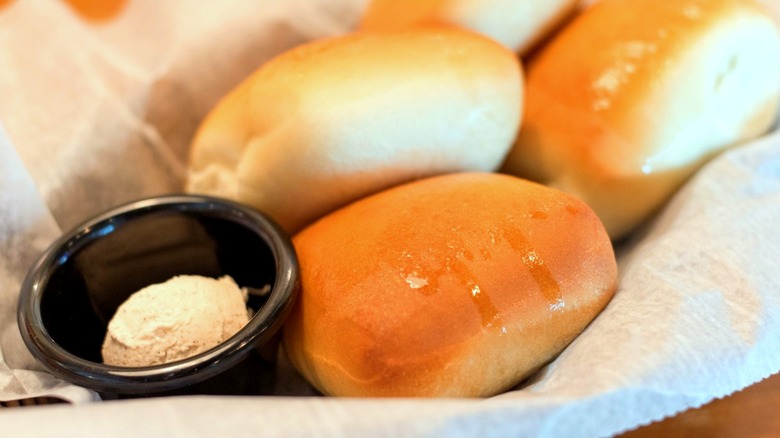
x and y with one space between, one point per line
337 119
457 285
633 96
518 25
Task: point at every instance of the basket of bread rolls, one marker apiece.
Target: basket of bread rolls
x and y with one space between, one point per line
456 175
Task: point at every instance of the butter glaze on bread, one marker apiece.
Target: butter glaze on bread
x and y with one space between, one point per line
633 96
453 286
518 25
337 119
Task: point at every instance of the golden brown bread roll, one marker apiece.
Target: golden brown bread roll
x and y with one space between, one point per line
337 119
633 96
457 285
518 25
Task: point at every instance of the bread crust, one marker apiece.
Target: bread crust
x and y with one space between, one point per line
337 119
633 96
517 25
453 286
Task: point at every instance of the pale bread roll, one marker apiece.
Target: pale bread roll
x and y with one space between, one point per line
518 25
633 96
337 119
458 285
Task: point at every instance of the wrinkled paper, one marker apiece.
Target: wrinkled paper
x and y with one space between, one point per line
95 112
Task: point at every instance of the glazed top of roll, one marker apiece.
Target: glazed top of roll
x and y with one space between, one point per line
457 285
337 119
633 49
633 96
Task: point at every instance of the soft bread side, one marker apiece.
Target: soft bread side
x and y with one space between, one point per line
337 119
453 286
518 25
634 96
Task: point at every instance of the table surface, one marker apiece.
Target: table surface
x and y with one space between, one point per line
750 413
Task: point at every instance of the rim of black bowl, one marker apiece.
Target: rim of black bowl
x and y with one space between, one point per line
174 375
